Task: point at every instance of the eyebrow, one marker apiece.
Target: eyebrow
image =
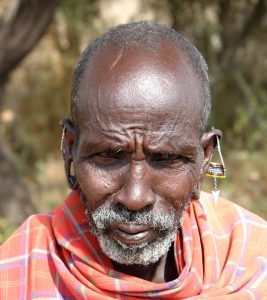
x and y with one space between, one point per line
97 144
187 149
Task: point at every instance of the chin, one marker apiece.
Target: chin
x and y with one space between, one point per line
145 253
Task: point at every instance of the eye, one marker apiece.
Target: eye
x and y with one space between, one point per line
112 154
168 157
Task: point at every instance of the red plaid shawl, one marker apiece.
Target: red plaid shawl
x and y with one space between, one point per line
222 255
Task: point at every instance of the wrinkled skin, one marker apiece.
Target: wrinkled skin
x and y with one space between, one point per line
138 142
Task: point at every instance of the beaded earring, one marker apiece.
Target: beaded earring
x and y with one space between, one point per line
217 171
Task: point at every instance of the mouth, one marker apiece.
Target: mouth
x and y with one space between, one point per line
132 234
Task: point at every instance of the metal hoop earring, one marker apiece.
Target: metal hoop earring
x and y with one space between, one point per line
62 143
217 171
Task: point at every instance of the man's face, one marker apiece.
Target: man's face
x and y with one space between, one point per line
138 155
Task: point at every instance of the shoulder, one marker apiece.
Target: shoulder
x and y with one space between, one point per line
25 259
35 232
229 217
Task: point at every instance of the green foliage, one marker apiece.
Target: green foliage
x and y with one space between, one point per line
79 13
6 228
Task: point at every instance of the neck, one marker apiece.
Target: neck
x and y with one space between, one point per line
162 271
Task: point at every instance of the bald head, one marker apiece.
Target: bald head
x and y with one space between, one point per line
151 40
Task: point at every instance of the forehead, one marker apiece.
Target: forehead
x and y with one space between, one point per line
154 89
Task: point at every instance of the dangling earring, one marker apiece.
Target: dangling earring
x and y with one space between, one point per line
217 170
71 178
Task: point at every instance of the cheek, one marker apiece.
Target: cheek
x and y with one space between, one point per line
176 186
97 184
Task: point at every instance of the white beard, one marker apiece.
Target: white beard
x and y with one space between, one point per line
143 254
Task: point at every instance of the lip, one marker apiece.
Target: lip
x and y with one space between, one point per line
132 234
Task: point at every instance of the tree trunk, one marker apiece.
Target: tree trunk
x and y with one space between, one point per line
21 27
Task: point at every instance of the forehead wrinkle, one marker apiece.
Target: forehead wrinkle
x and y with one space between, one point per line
132 117
90 114
169 134
172 144
144 122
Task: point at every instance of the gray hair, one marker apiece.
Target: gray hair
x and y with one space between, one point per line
144 35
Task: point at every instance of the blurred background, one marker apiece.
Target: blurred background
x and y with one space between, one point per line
40 42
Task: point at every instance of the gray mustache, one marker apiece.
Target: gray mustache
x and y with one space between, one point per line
105 216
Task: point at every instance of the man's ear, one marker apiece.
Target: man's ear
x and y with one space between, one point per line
69 138
208 142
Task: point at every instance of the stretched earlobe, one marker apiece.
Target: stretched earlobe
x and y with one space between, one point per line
71 178
196 191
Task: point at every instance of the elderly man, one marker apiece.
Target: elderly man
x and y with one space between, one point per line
136 225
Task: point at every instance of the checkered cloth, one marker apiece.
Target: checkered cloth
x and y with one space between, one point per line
221 254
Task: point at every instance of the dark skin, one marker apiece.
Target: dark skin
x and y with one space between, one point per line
138 142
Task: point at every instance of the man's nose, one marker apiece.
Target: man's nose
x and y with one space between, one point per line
136 192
